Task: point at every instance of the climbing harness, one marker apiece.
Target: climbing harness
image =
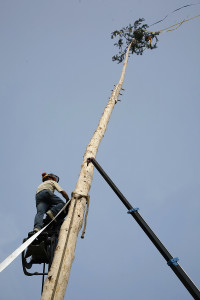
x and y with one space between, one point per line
172 262
41 250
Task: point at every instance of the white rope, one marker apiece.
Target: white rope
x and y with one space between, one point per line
19 250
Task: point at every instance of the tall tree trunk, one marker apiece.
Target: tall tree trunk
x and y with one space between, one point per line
58 276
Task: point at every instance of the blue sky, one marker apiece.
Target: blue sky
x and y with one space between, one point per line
56 77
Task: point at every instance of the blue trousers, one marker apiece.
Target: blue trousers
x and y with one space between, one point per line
46 200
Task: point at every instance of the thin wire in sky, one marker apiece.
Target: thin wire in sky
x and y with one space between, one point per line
177 9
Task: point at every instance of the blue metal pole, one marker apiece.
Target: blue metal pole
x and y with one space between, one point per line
172 262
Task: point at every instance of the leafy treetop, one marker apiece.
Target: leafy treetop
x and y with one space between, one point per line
137 34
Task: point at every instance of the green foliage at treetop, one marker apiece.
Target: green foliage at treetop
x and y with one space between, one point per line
139 36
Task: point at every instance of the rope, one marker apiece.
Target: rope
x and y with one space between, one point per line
177 25
85 221
165 29
79 196
43 278
184 6
21 248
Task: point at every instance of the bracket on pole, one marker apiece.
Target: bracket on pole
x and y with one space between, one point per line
132 210
89 160
173 261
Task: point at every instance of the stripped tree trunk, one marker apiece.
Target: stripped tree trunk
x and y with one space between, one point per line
58 276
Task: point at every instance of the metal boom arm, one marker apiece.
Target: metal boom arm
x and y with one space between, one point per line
172 262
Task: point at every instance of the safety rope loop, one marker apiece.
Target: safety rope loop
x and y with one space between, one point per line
79 196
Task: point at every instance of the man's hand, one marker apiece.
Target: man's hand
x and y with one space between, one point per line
64 194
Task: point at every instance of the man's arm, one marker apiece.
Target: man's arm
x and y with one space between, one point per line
64 194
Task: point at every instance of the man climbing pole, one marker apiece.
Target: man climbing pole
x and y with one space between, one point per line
46 201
